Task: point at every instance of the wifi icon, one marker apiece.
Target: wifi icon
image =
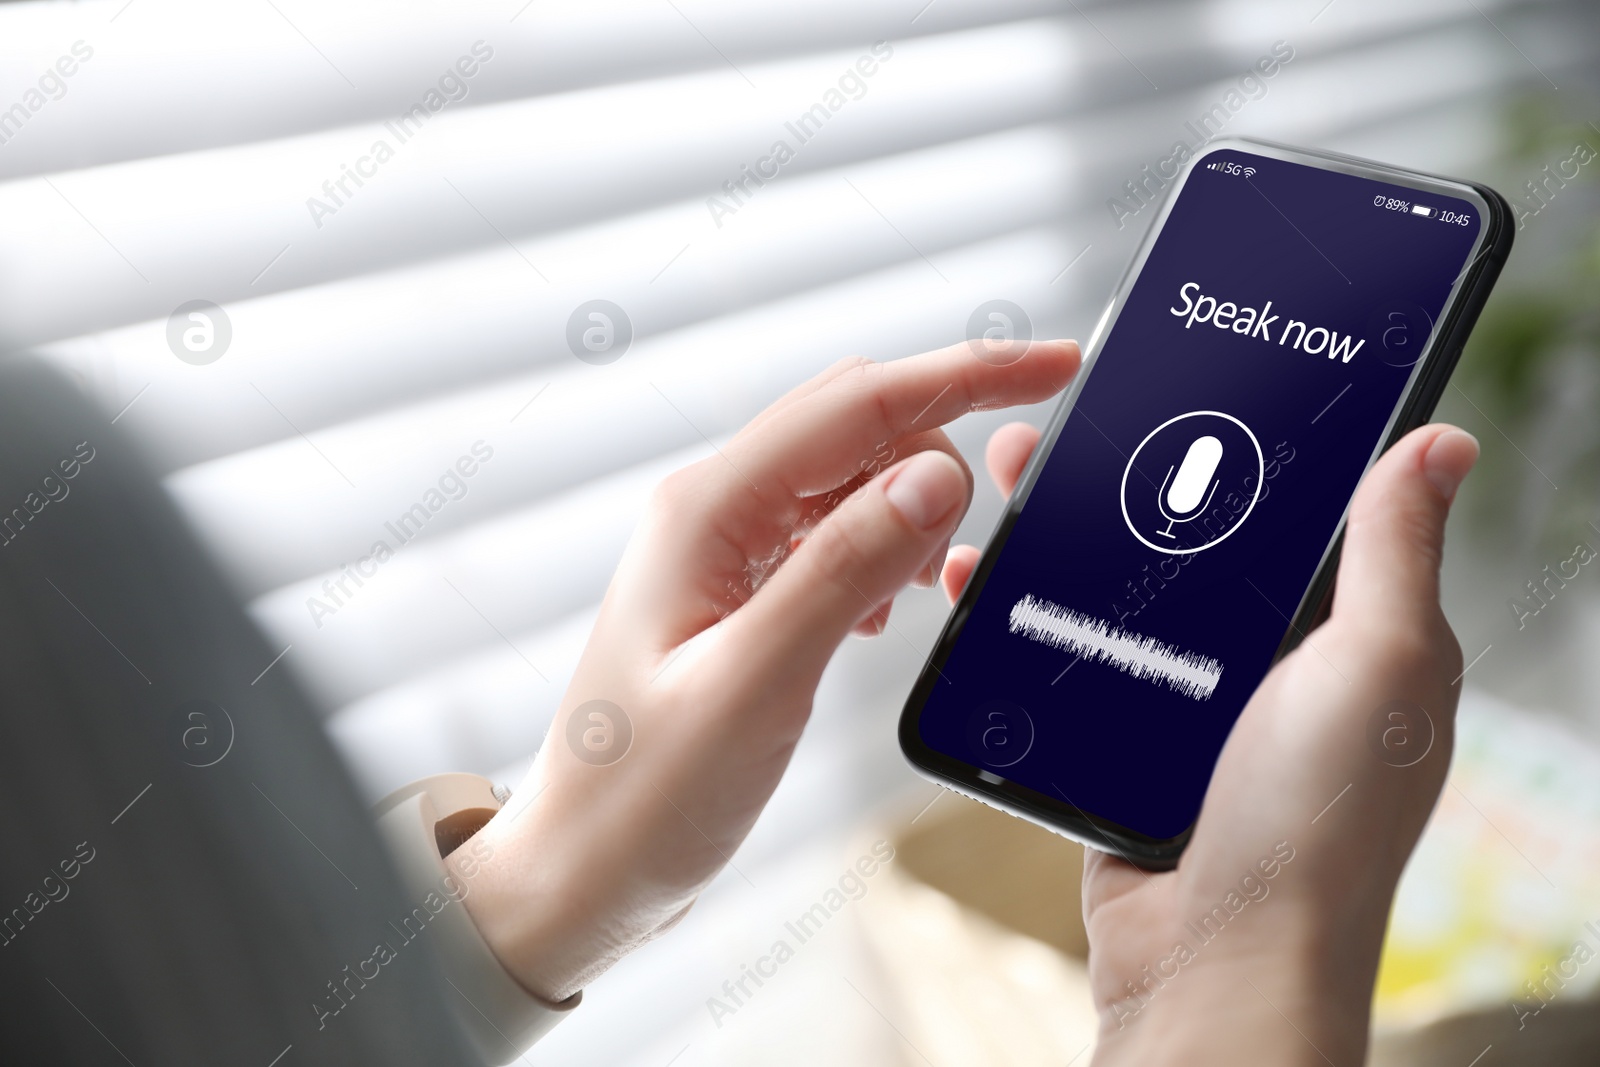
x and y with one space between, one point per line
1249 172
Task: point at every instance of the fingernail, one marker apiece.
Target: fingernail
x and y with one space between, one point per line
925 489
1448 459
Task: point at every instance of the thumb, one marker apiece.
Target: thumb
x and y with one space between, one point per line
1395 536
860 556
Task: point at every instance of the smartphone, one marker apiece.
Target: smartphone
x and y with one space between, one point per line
1291 314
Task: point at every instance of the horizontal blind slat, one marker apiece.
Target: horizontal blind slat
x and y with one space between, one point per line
589 421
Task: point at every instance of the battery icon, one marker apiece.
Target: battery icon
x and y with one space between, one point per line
1423 210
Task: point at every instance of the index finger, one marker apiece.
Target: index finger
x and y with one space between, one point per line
816 441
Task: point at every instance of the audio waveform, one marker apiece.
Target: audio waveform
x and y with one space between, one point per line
1094 639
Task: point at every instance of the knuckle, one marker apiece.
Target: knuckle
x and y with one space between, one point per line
1422 649
1404 650
1420 529
838 550
858 376
1413 523
859 390
674 493
848 365
670 488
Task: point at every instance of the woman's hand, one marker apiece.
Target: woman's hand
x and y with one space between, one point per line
1262 946
748 570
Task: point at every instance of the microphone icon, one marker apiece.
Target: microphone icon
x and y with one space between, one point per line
1185 488
1214 447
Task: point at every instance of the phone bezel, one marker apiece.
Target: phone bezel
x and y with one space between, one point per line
1430 374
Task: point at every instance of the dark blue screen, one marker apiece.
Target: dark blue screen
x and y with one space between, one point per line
1196 485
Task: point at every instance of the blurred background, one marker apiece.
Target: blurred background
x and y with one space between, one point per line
416 228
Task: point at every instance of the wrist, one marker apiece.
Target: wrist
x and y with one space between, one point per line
429 826
523 906
549 910
1291 998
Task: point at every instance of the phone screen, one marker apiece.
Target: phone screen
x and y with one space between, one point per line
1195 487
